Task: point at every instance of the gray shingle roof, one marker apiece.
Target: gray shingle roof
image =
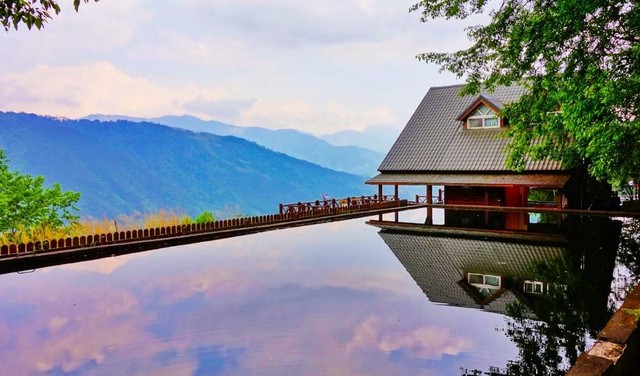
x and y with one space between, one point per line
433 140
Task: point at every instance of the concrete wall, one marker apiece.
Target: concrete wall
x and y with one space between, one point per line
617 349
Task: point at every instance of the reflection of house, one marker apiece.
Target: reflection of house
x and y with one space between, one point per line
459 143
472 272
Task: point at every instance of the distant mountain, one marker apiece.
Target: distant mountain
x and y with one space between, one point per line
123 166
352 159
376 138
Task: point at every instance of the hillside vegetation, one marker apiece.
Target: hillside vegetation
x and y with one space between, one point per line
122 167
345 158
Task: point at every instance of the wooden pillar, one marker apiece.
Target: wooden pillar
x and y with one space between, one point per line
380 199
395 197
559 198
429 220
486 203
524 218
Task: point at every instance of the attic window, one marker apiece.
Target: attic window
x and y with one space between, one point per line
533 287
483 117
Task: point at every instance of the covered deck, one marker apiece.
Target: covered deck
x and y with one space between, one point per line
519 190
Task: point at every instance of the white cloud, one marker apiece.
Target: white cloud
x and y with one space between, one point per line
318 67
76 91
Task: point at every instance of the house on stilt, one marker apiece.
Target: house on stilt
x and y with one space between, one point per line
457 143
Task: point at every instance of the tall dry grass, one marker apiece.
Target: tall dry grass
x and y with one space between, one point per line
90 226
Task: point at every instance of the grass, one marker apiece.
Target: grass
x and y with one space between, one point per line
91 226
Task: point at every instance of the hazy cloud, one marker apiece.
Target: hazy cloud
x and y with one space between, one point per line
226 109
319 67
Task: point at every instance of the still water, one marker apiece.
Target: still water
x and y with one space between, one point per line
342 298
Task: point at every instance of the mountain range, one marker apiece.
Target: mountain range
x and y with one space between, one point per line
344 157
376 138
124 166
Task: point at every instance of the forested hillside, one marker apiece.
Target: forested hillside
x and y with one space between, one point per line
122 166
347 158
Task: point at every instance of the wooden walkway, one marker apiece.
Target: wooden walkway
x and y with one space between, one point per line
24 257
27 257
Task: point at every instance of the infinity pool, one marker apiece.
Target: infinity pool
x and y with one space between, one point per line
342 298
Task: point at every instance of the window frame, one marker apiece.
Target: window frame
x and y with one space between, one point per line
484 283
477 114
533 283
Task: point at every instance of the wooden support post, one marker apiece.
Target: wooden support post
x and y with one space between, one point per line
429 220
559 198
380 199
524 217
395 192
486 203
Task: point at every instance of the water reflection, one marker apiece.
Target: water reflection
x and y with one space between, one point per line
329 298
554 290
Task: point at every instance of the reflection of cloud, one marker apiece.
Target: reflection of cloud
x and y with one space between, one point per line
103 266
426 342
65 335
251 305
182 286
58 322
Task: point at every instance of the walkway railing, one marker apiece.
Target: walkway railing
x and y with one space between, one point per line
288 213
434 199
334 206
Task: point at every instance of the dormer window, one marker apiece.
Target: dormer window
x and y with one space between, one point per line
483 113
483 117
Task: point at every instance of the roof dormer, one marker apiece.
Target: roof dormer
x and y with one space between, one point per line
483 113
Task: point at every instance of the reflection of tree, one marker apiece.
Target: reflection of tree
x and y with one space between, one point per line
551 330
629 259
553 340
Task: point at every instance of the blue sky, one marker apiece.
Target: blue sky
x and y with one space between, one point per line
318 67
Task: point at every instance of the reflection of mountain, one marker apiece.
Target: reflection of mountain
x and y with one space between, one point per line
474 273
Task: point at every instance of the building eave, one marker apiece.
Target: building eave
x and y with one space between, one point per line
543 180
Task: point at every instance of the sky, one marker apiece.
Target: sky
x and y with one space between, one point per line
319 67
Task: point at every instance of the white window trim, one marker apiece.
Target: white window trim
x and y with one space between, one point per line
484 118
485 285
533 283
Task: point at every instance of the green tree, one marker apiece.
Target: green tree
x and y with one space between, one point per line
26 205
579 63
30 12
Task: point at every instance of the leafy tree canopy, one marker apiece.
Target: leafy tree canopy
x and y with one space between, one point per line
579 62
30 12
26 205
